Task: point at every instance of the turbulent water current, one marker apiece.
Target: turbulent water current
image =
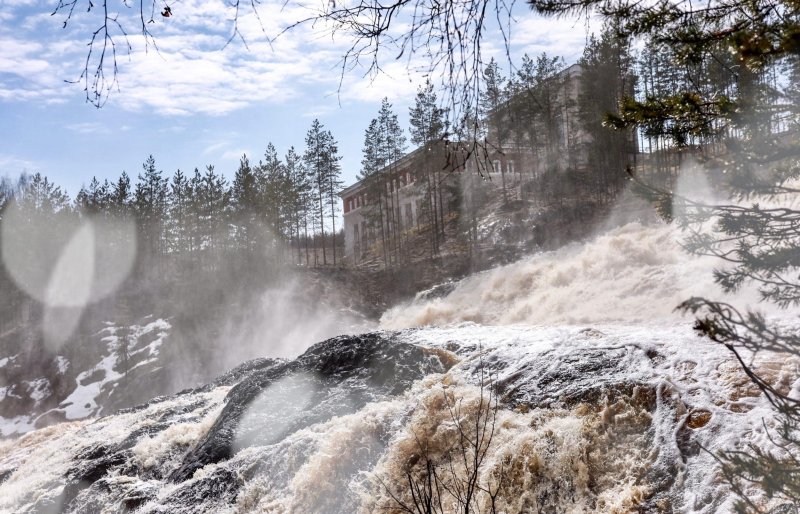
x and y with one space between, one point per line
563 383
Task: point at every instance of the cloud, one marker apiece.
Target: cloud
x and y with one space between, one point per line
234 155
11 165
193 66
184 68
395 82
215 148
87 127
563 37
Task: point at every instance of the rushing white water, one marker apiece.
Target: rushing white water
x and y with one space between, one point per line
631 274
608 402
632 444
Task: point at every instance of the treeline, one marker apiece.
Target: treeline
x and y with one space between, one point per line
277 208
394 180
198 237
712 97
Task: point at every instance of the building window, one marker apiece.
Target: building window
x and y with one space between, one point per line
409 216
496 166
356 243
367 238
510 166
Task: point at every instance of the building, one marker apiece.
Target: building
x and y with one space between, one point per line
379 210
391 202
397 199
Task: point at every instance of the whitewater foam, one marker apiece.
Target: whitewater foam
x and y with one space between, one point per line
632 274
574 434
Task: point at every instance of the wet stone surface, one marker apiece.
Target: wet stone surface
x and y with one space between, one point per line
332 378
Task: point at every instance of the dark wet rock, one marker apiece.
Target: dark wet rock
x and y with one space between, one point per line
335 377
4 474
437 291
95 376
565 379
91 466
125 496
244 370
218 487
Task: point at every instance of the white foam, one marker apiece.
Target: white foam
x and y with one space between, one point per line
632 274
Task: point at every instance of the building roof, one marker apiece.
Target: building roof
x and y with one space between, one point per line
402 161
569 72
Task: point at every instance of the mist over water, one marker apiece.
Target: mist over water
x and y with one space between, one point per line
603 419
631 271
634 273
284 320
66 264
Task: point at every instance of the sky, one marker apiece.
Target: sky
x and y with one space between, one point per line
196 101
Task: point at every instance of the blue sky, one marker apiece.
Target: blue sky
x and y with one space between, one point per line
193 102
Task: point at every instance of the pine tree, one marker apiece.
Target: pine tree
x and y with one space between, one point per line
275 196
375 186
121 196
321 160
428 128
213 206
427 118
195 214
333 186
299 197
95 199
536 105
605 61
384 145
38 194
493 102
494 109
180 194
244 203
150 204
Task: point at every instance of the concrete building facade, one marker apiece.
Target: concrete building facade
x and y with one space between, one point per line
394 199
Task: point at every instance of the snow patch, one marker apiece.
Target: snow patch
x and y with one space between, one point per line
62 363
38 389
15 425
83 401
7 360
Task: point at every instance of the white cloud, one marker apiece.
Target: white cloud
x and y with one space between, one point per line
187 72
564 37
395 82
11 165
235 155
87 127
215 148
194 71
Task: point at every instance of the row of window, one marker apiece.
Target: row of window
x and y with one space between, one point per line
406 178
497 166
401 222
391 186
